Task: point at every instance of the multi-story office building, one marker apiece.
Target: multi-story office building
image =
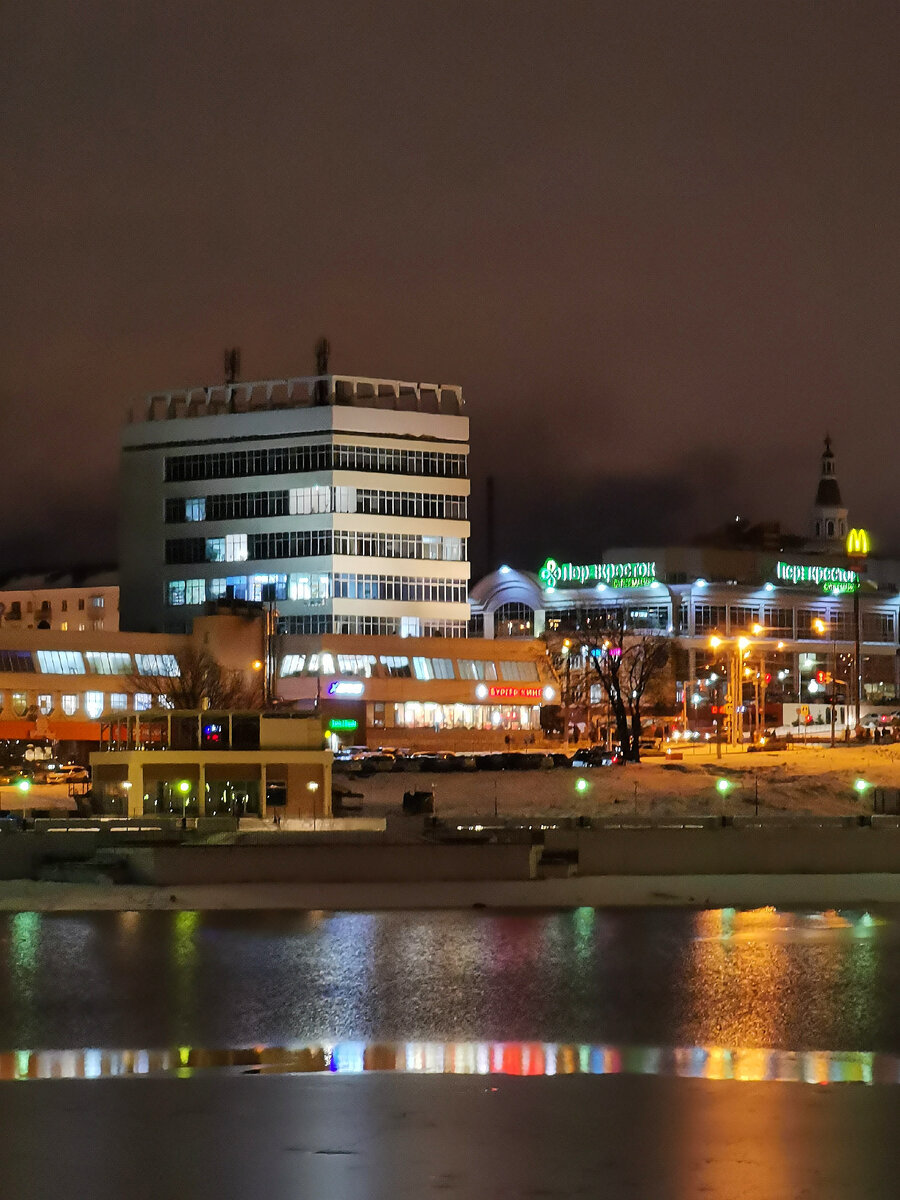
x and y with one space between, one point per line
342 499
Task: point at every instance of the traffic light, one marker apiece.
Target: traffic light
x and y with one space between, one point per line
823 677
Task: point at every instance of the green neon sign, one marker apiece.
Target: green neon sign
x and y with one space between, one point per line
342 724
623 575
830 579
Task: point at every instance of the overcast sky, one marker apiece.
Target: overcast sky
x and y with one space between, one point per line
657 244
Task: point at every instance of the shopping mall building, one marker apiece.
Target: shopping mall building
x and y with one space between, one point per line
799 605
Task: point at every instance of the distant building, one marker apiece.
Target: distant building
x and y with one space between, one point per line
343 499
80 602
829 525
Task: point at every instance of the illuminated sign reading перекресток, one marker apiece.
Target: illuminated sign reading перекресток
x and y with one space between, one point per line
831 579
625 575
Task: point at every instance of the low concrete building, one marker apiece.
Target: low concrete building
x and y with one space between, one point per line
213 764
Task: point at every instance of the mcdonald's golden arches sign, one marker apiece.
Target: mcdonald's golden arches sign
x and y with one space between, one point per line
858 542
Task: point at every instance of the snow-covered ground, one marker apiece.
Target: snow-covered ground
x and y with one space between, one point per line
803 779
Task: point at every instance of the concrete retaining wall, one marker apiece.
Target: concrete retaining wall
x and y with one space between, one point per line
170 866
727 851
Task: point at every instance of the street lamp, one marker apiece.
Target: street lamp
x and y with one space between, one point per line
740 649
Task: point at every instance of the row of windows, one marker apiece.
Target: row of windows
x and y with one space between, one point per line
239 547
316 456
92 704
400 587
372 626
404 667
94 662
400 545
318 499
717 618
779 622
316 588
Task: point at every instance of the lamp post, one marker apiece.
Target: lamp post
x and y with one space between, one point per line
740 648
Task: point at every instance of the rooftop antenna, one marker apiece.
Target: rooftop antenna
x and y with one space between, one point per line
323 350
232 359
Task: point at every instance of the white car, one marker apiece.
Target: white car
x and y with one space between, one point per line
71 773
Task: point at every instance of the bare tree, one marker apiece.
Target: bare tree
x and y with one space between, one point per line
628 663
202 683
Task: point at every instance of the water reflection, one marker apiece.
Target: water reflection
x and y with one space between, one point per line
740 1064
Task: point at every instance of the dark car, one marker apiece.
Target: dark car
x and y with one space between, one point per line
596 756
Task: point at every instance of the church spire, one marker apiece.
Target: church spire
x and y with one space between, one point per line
829 517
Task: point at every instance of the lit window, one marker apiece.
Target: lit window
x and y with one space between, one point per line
96 601
476 668
175 591
236 547
157 664
309 500
102 662
396 665
19 703
526 671
410 627
433 668
292 664
142 701
345 499
194 591
60 662
45 704
309 587
356 664
93 705
195 509
69 705
118 701
215 549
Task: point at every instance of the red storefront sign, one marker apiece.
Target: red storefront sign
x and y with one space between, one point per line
502 692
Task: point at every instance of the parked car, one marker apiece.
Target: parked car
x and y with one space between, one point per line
63 773
596 756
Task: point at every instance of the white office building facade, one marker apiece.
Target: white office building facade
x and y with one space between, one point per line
342 499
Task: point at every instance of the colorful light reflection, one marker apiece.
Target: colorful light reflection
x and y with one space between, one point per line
737 1064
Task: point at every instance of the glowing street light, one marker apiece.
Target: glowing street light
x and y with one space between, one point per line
581 786
724 786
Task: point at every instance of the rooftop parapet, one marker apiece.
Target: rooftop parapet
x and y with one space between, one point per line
309 391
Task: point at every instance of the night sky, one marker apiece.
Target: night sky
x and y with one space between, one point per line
657 244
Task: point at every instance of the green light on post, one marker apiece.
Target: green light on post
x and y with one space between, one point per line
861 785
184 786
24 785
581 786
723 786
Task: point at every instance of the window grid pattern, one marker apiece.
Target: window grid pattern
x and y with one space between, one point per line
399 587
230 506
321 456
61 662
17 660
